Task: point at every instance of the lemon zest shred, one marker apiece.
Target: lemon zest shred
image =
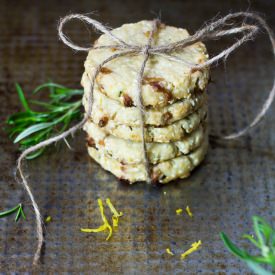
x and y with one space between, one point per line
116 214
188 210
179 211
195 246
48 219
168 251
103 227
94 230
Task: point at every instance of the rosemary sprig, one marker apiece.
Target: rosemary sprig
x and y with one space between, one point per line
18 208
30 127
264 240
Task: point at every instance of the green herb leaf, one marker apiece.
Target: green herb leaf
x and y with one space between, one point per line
48 85
20 213
22 98
264 241
32 129
36 154
257 268
250 238
232 247
18 208
54 116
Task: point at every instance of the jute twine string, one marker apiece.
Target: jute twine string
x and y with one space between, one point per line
215 30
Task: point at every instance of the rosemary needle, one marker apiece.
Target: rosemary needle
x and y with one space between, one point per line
18 208
29 127
264 240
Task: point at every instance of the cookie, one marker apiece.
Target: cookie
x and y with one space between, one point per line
129 152
106 107
164 82
173 132
163 172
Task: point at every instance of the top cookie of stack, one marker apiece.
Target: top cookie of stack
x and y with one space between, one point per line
174 100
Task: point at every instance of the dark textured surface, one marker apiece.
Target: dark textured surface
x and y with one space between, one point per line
235 181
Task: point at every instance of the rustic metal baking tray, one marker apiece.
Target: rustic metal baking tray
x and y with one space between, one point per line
235 181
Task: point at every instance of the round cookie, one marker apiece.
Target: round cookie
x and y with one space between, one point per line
113 110
163 172
164 80
173 132
130 152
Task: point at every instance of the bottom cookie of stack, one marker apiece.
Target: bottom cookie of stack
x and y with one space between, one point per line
163 172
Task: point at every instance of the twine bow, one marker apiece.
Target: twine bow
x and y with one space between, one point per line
215 30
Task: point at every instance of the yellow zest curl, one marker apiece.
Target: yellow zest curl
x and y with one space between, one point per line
189 211
48 219
103 227
195 246
168 251
179 211
116 214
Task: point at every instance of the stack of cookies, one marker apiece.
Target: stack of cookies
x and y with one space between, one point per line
175 107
